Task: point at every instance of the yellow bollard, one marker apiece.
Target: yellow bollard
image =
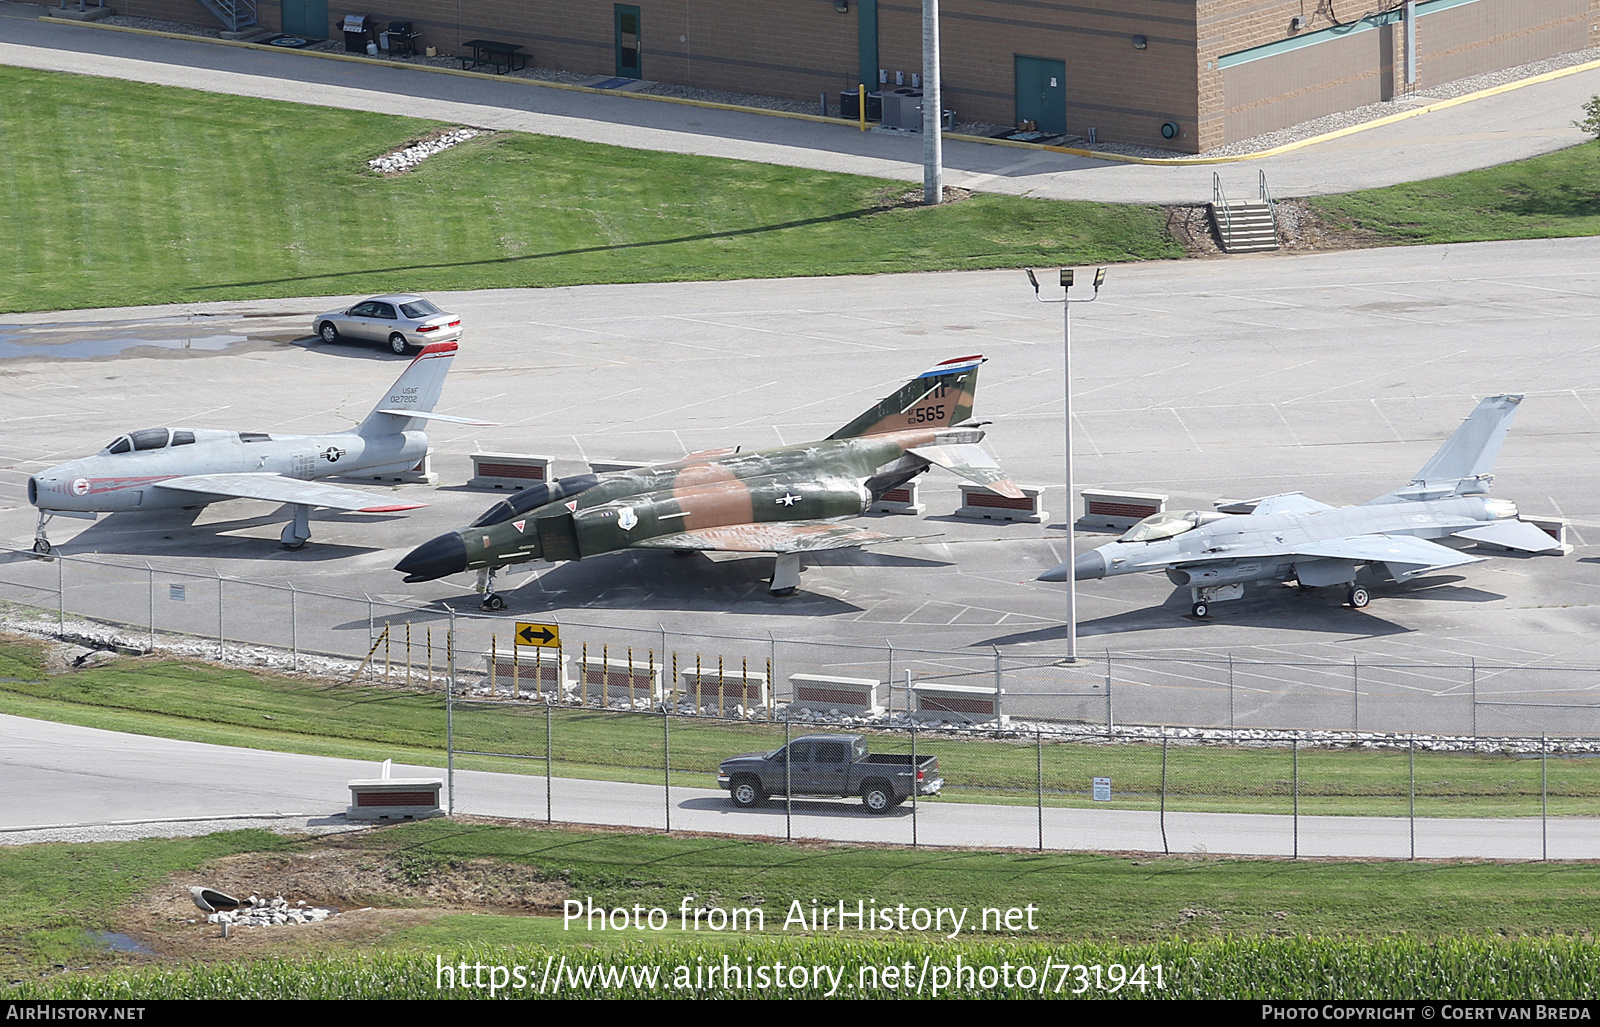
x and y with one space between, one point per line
429 636
630 677
408 654
772 692
386 652
494 660
697 706
583 666
861 105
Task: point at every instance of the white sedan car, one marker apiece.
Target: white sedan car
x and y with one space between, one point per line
402 320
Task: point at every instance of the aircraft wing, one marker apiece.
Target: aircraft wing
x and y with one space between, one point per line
276 488
1288 502
769 537
1405 552
972 462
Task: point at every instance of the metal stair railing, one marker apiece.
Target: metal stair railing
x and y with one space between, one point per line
233 14
1266 197
1219 201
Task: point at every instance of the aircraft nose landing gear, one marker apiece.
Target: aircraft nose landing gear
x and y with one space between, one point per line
41 544
492 600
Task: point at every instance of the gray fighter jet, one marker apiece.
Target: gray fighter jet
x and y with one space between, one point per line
166 468
1292 538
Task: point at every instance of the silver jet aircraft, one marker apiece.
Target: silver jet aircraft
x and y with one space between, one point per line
166 468
1292 538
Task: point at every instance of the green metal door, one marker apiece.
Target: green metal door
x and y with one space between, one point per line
1042 93
628 41
307 18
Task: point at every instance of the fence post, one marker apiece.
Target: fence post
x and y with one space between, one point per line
999 703
788 782
1412 758
219 616
549 763
666 761
1164 847
1474 697
61 594
890 680
1544 797
1294 755
152 572
772 682
1108 690
449 707
1038 741
914 788
294 632
1231 725
1355 692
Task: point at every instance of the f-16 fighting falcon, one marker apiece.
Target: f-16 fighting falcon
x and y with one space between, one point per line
164 468
1290 537
768 501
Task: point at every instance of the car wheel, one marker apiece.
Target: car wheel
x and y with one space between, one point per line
877 799
747 792
329 333
1359 597
1201 609
398 343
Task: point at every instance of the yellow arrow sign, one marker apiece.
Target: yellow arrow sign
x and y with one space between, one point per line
544 636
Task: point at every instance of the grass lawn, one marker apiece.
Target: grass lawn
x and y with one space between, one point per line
227 706
1551 196
126 193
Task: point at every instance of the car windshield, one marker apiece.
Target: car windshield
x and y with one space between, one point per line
1162 525
418 309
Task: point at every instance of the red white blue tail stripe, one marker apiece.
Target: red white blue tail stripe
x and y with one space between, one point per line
955 366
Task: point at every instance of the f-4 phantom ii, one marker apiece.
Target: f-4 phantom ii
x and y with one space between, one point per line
777 501
166 468
1292 538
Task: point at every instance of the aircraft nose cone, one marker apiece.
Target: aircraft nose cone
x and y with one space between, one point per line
1087 565
435 558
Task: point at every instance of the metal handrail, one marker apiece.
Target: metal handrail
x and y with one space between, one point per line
1266 197
1219 201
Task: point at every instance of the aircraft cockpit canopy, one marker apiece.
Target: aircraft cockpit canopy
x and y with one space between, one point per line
1165 525
150 438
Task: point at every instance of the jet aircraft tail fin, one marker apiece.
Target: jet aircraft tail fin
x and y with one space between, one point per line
939 397
1463 465
409 401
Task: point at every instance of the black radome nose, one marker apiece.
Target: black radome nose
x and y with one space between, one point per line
435 558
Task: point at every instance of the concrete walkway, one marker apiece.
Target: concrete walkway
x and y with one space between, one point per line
1509 126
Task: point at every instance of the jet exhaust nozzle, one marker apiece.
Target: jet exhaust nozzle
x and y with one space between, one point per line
435 558
1084 568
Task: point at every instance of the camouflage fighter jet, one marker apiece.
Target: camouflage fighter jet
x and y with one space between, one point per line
783 501
1292 538
167 468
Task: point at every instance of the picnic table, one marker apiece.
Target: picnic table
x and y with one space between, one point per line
489 51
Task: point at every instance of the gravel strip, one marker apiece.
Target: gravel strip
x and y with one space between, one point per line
134 830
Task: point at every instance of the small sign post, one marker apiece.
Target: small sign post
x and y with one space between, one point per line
1102 789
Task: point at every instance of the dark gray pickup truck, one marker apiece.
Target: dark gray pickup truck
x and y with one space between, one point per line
829 765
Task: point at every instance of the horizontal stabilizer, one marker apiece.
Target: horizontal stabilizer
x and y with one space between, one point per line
770 537
972 462
439 417
276 488
1512 534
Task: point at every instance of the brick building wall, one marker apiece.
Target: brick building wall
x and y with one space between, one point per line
1189 72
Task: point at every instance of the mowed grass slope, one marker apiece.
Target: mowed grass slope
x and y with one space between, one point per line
258 709
1551 196
125 193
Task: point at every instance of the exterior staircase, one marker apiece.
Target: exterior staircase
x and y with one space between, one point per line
234 15
1244 227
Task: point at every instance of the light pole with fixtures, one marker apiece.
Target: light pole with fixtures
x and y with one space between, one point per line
1072 550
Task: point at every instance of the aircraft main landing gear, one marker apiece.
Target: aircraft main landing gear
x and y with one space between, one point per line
298 531
1200 609
1358 597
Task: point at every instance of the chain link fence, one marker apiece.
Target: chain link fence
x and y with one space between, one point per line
398 642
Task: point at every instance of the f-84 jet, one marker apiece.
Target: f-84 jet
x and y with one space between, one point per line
1292 538
168 468
782 501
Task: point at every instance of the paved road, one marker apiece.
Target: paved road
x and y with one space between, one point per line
1511 126
59 776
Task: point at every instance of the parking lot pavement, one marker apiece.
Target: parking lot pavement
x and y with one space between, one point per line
1337 374
1510 126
